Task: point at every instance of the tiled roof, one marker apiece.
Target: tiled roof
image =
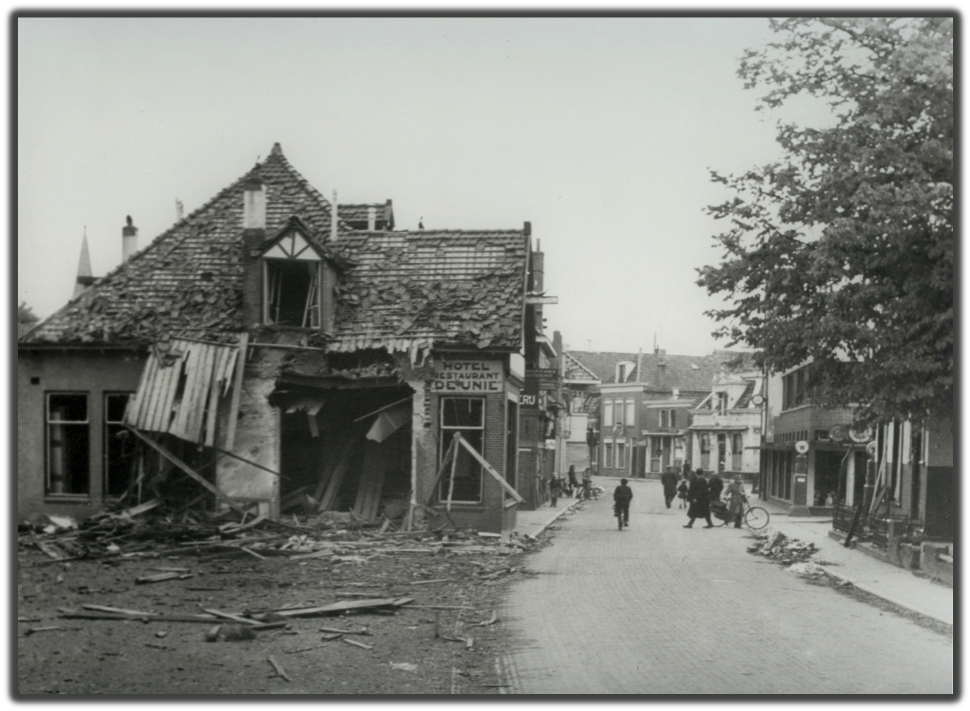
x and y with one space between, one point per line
686 373
577 371
187 282
358 215
448 285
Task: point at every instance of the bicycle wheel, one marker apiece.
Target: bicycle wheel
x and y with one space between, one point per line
756 518
619 521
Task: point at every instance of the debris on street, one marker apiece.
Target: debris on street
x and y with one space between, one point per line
777 546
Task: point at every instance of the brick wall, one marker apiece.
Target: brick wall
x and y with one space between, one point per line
93 373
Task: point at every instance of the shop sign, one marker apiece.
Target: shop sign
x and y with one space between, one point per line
529 397
468 376
548 377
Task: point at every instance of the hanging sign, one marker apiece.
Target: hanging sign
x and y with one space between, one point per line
468 376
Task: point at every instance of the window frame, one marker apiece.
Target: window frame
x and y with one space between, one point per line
445 441
629 412
312 310
49 443
607 413
109 429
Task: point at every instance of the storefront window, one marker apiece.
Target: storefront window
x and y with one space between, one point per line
467 417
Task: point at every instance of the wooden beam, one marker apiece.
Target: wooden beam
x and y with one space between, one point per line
219 494
488 467
237 390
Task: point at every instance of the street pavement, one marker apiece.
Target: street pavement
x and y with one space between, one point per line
660 609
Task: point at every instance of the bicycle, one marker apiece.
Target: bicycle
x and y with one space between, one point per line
754 517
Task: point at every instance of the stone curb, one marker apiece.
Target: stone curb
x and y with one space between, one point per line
543 527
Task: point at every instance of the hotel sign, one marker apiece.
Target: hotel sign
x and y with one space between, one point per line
468 376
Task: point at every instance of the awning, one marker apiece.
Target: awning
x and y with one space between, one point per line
179 391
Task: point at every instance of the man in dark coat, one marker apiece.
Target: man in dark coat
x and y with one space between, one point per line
699 501
669 481
714 487
621 501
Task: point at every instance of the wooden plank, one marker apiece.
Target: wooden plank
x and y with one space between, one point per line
147 419
168 395
376 499
219 494
198 416
231 361
179 426
336 455
451 479
441 470
338 607
200 390
337 477
237 390
489 469
365 488
213 400
134 404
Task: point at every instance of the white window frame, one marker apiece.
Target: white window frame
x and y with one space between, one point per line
445 441
630 415
607 413
50 422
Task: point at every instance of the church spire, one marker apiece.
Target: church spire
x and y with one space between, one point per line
84 275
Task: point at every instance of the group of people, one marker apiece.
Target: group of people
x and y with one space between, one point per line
696 491
570 485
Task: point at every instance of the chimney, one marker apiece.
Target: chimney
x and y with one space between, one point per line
129 240
527 228
254 232
371 218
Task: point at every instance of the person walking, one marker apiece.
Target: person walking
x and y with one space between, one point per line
669 481
573 481
715 486
697 495
682 488
736 499
621 501
587 484
554 490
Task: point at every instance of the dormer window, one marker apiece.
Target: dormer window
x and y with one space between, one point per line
623 371
294 273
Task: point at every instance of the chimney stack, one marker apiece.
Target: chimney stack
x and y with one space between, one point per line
371 218
254 232
129 240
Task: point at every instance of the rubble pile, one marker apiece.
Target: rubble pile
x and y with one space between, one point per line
145 531
787 551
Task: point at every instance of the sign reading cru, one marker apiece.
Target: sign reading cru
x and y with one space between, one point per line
468 376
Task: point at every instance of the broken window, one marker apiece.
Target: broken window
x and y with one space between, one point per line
292 292
118 445
467 416
68 445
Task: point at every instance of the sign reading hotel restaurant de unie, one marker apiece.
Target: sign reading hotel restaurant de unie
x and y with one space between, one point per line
468 376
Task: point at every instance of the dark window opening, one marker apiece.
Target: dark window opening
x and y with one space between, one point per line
68 446
466 416
293 293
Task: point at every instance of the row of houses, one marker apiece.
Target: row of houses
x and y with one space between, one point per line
274 349
636 414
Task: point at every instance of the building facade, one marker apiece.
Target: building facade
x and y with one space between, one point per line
264 351
727 424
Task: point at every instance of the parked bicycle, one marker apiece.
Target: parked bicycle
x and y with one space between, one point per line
754 517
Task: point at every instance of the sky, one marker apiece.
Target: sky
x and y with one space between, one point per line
599 131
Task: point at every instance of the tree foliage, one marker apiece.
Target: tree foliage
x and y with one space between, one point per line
842 251
26 318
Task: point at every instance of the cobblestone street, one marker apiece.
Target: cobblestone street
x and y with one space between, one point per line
660 609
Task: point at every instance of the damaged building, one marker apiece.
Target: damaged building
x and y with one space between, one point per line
267 354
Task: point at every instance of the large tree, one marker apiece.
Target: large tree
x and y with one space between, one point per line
841 252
